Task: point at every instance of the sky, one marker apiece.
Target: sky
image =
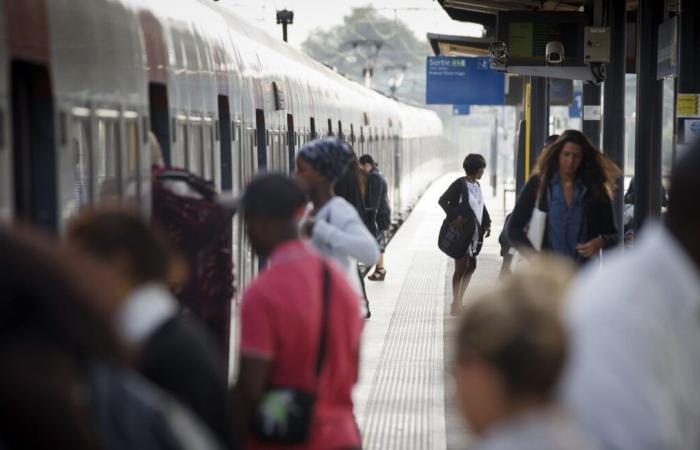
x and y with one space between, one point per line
421 16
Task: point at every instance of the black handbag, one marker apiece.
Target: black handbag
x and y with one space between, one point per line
284 414
457 229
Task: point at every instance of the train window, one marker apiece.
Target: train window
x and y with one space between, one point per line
207 152
107 176
131 161
82 161
330 127
312 123
340 130
194 149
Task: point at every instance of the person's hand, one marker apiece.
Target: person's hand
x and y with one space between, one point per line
307 229
488 232
590 248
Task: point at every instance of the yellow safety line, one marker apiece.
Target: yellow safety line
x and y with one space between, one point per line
528 121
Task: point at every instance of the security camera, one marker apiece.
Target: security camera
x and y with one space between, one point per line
554 52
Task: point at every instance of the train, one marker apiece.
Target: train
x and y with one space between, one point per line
84 84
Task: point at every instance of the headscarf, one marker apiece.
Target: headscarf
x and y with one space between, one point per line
328 156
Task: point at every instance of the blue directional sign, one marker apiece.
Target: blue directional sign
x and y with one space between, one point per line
460 110
576 105
463 81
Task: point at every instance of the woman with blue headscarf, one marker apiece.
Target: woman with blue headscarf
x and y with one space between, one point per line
333 224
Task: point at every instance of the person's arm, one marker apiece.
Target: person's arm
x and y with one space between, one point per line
521 215
486 222
348 235
450 199
249 391
257 353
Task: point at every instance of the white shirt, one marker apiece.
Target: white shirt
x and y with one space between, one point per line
549 428
144 311
340 234
634 373
476 200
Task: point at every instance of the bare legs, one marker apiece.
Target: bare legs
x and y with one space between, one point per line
464 268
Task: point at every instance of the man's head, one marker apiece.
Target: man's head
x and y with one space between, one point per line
121 239
272 205
683 217
551 139
367 163
511 346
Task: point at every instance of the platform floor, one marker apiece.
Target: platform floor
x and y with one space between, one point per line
404 398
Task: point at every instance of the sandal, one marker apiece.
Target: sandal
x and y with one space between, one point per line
378 275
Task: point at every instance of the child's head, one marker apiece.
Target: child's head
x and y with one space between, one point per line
512 346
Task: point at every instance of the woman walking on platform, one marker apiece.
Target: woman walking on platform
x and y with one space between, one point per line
573 185
464 201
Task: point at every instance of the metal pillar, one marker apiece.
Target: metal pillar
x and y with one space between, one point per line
647 166
591 112
688 58
614 102
539 117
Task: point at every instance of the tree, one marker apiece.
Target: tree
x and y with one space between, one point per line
367 39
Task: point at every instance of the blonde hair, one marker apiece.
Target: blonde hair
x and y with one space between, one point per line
518 330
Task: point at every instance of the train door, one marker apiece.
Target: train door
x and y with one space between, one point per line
34 146
225 139
291 141
261 139
160 118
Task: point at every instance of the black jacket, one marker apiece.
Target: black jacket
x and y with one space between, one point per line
377 201
451 200
348 187
598 217
182 358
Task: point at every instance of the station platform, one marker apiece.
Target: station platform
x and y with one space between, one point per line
404 398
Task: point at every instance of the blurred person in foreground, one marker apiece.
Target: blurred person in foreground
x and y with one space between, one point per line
300 334
65 381
511 349
634 373
573 185
333 225
173 351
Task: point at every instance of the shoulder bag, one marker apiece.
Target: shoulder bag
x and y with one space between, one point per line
535 233
284 415
457 229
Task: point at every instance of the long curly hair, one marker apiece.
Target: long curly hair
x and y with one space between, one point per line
597 172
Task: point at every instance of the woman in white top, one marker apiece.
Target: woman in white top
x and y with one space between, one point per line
464 201
333 224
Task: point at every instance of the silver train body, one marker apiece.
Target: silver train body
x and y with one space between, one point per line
82 82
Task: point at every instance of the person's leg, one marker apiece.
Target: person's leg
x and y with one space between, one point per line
461 267
379 270
368 314
467 276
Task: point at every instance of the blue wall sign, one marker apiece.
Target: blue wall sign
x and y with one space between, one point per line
463 81
460 110
576 105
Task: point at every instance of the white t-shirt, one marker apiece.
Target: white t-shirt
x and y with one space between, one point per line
476 200
340 235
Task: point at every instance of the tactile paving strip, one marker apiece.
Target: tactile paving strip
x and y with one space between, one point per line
400 411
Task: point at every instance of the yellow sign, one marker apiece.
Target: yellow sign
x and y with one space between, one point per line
688 105
528 119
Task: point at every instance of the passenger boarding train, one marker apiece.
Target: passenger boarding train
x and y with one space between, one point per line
83 83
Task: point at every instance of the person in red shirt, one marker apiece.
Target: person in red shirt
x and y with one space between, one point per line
281 320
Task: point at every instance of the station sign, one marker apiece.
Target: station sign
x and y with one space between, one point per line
463 81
